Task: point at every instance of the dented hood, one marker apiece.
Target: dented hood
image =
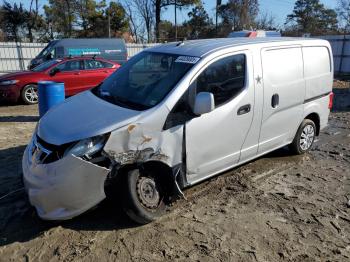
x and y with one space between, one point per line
82 116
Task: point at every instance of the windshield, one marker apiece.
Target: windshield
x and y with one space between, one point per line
46 65
145 79
46 50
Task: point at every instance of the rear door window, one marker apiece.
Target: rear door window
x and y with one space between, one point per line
106 64
92 64
224 78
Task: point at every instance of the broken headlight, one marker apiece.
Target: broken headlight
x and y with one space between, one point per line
87 147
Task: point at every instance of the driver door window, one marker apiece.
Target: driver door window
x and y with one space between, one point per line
73 65
225 78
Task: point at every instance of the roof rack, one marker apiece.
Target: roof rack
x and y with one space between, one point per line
82 55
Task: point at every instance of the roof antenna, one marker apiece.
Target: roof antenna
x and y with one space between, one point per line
181 43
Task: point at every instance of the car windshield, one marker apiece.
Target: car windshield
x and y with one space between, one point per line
46 65
145 79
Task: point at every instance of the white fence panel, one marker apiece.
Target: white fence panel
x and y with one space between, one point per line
133 49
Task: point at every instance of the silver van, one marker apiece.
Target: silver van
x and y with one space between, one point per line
175 115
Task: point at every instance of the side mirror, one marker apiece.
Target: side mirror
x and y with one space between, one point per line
54 71
204 103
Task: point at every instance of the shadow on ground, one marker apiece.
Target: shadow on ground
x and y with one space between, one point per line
20 223
5 103
18 219
21 119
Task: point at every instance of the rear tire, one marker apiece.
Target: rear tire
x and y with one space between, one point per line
304 137
29 94
143 199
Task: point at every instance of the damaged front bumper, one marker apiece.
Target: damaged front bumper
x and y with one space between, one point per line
65 188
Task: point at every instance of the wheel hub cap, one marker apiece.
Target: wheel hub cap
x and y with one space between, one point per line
307 137
31 94
147 192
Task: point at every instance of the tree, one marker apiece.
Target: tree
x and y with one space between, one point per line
344 13
135 25
165 30
62 16
265 21
238 14
161 4
13 19
85 10
145 9
199 25
118 19
310 16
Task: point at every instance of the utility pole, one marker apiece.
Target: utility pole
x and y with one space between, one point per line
175 22
109 20
218 3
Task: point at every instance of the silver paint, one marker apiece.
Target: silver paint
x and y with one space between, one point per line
215 141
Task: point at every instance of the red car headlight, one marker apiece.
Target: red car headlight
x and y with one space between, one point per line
8 82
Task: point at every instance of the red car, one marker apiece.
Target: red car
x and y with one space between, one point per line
78 74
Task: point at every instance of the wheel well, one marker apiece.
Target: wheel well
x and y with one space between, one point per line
161 170
155 167
316 119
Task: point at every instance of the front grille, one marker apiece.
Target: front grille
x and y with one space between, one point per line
44 153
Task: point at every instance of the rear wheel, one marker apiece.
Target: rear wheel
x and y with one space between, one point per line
29 94
304 138
143 197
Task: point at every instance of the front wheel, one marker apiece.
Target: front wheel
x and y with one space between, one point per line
29 94
304 137
143 197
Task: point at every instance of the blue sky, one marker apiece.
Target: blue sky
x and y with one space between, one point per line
278 8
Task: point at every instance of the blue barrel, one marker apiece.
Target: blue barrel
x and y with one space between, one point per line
50 94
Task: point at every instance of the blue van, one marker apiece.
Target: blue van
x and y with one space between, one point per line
108 48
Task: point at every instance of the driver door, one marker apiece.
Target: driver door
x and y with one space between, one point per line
214 140
69 74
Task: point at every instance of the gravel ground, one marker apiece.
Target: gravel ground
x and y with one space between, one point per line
276 208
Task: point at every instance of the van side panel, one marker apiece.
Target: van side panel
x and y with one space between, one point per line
111 48
283 77
317 70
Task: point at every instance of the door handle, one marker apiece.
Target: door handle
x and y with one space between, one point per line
77 73
275 100
244 109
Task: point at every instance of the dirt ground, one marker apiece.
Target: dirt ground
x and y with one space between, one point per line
276 208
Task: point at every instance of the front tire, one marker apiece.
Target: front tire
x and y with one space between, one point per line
29 94
143 199
304 137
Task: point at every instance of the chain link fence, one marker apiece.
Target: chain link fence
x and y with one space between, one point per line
16 56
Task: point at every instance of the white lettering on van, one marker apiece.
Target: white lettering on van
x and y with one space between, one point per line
113 51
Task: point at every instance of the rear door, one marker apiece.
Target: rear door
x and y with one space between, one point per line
284 93
69 73
94 72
